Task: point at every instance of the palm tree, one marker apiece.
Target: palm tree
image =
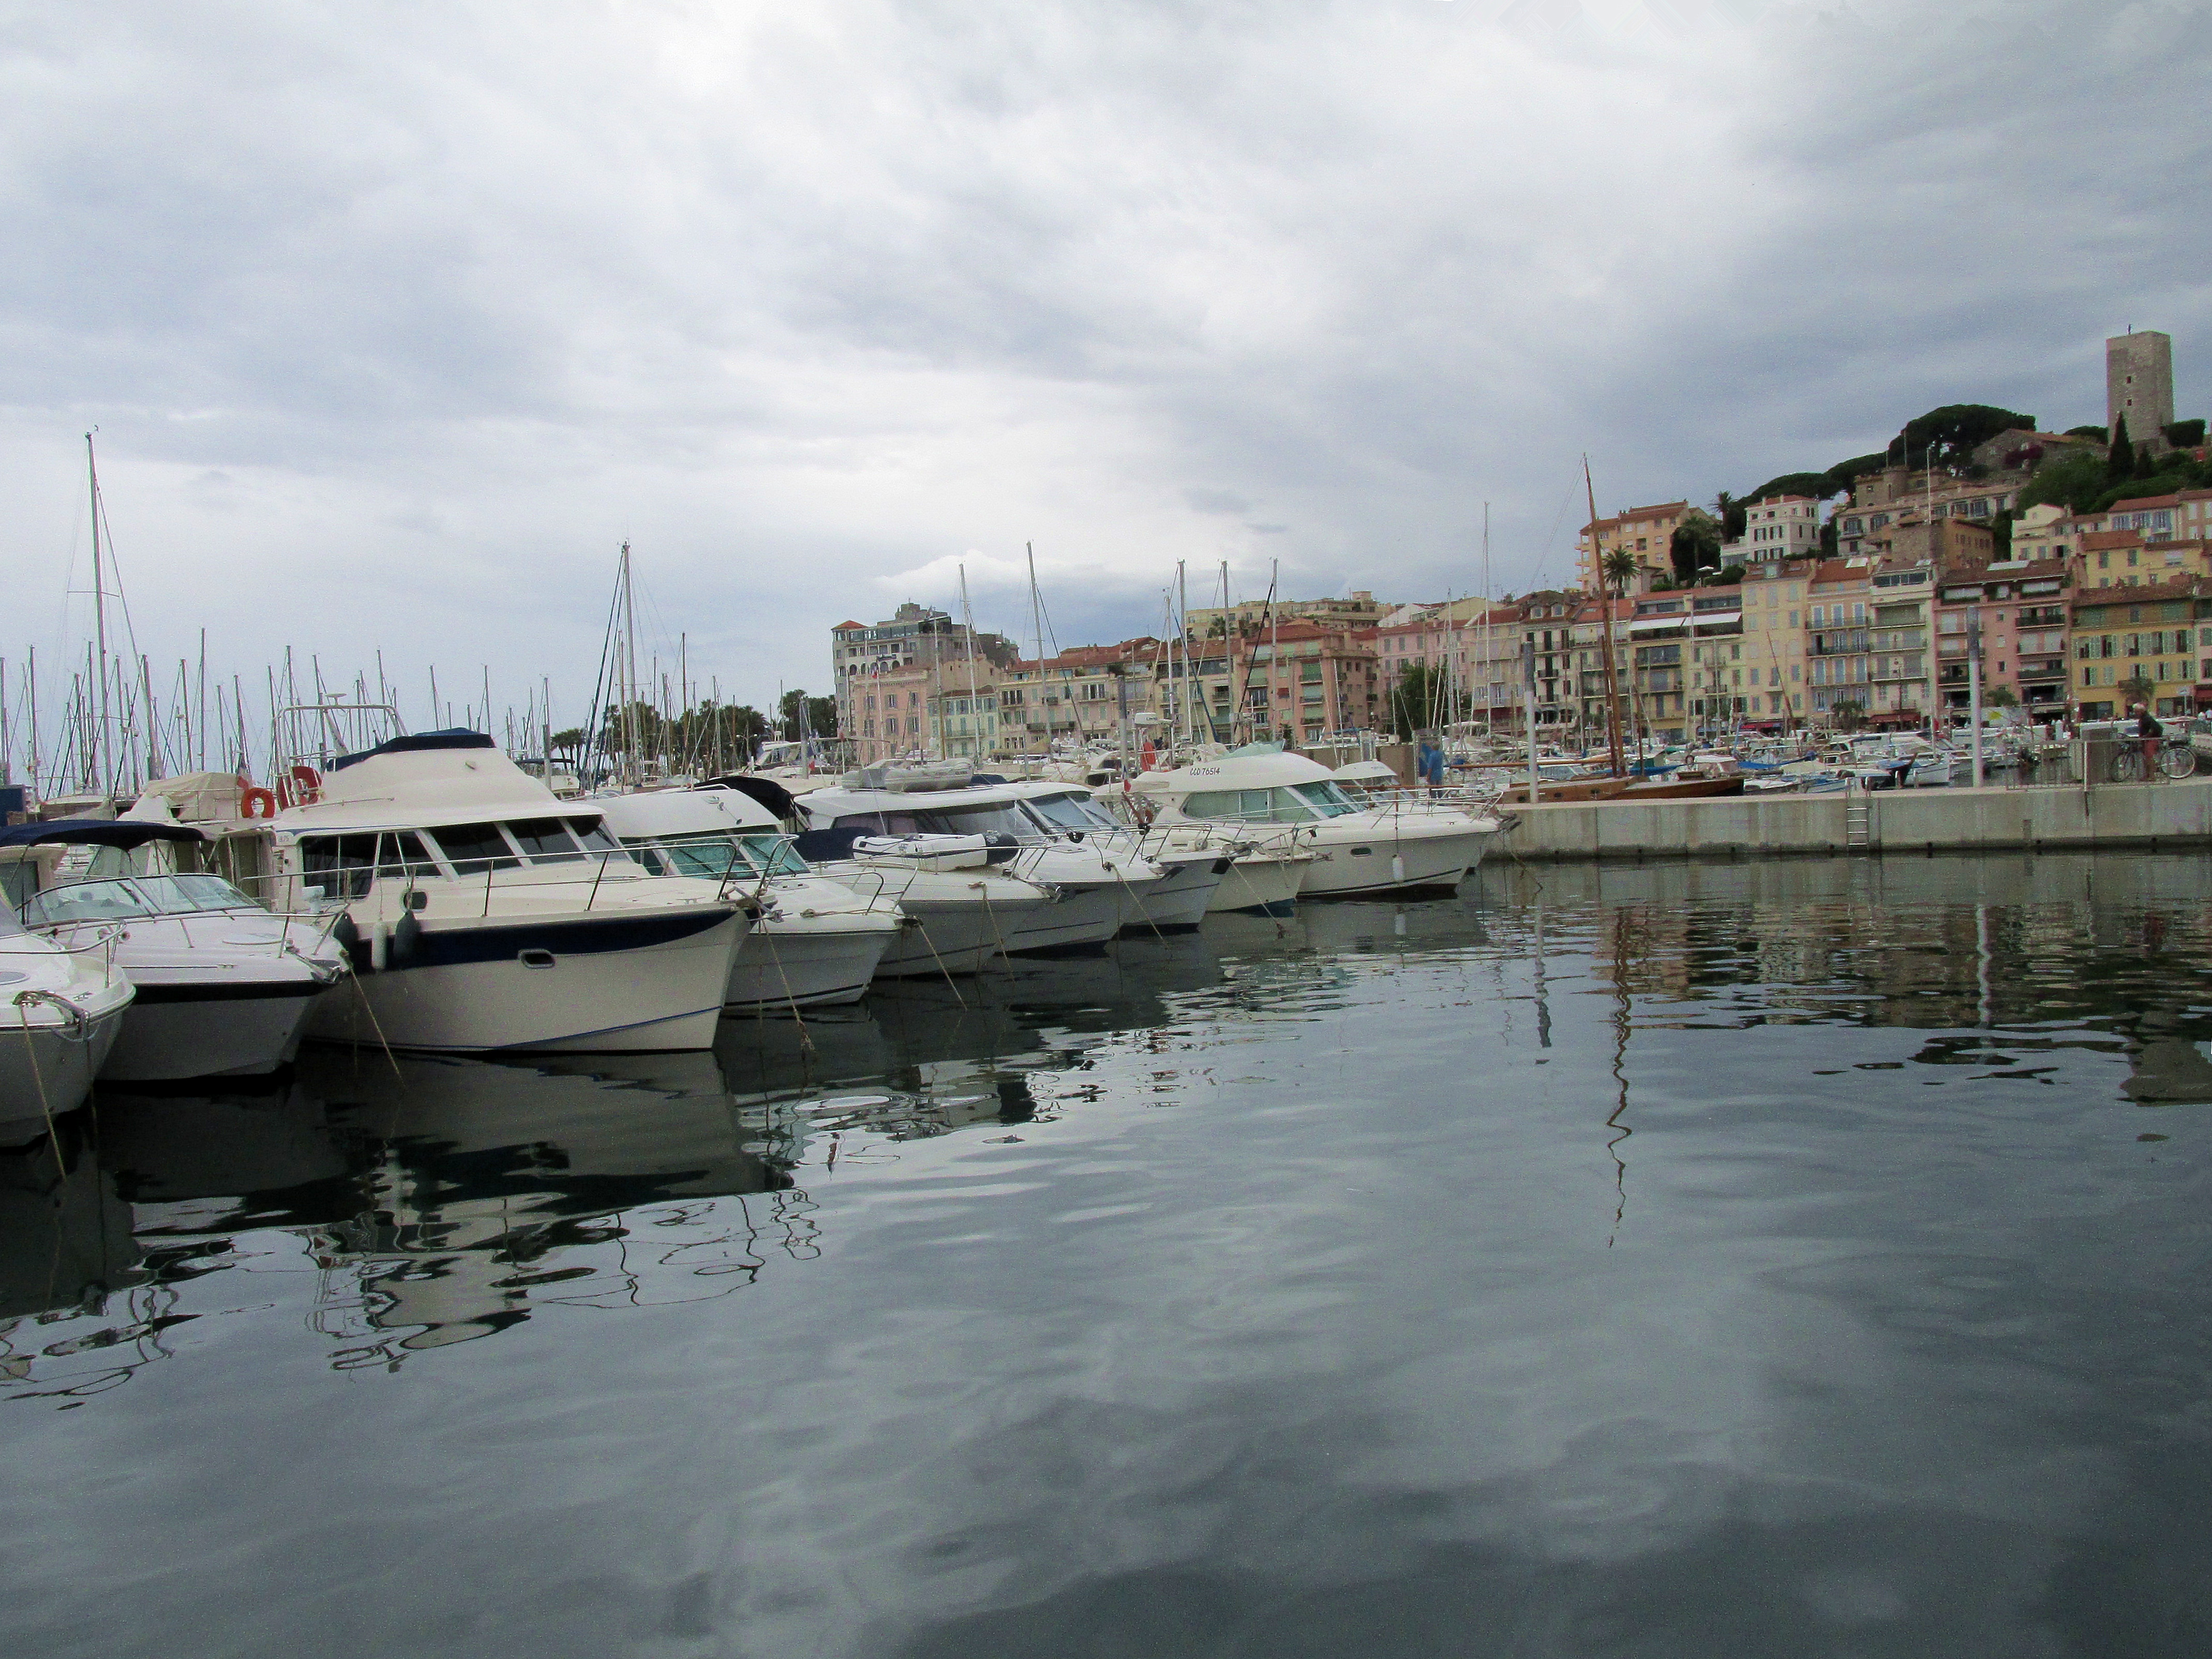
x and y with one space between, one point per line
1620 568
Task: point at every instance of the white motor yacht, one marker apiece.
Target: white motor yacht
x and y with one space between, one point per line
1284 799
483 913
963 910
1261 879
1193 871
814 942
60 1009
224 989
1098 888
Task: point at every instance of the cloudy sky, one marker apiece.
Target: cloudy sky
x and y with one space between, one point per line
397 320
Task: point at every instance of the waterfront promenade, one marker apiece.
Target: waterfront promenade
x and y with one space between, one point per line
2072 817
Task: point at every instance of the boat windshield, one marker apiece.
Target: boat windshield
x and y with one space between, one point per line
1070 812
140 896
1327 799
995 819
715 854
1300 803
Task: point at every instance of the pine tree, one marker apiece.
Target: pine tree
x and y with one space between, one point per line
2121 462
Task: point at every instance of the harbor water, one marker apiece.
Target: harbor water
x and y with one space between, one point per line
1806 1258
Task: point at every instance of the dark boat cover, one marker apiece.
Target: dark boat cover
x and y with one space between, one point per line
453 737
125 833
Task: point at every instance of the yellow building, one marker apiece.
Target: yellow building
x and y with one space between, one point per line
1646 534
1774 642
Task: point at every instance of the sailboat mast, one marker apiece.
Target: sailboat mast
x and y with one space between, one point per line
102 754
630 669
968 629
1605 633
1037 620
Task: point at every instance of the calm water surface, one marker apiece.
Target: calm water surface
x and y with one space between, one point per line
1800 1259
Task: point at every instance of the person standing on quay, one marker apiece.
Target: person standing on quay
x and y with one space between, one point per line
1429 763
2148 731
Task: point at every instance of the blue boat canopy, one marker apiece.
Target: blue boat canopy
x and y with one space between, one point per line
125 833
453 737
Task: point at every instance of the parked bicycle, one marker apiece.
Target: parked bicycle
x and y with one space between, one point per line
2175 760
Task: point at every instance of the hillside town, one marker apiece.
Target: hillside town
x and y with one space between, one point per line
1823 602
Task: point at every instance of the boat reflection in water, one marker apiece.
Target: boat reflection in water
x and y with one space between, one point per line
437 1199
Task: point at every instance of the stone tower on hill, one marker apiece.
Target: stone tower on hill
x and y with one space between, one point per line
2139 383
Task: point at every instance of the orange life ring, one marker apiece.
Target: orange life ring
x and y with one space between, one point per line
255 802
299 786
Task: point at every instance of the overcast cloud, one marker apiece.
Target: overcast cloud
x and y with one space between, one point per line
397 320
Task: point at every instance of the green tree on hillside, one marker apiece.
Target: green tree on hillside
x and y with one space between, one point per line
1946 437
1695 544
2121 462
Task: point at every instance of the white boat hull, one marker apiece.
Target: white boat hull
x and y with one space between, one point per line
468 990
782 965
1412 860
175 1032
1261 885
1178 902
1080 917
47 1067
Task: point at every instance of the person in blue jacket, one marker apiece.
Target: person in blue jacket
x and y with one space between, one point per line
1428 761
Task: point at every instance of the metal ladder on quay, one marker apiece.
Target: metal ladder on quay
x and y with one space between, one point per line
1858 821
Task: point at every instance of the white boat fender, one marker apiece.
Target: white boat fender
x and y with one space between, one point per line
1397 866
379 943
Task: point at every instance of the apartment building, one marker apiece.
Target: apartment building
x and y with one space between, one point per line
2021 605
1306 679
1083 693
913 637
1358 609
2157 636
1686 647
1645 533
886 711
1601 619
1774 608
1882 502
1776 527
1544 622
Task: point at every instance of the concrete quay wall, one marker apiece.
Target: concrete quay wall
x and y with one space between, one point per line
1895 821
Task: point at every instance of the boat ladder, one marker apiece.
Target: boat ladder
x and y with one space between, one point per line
1858 820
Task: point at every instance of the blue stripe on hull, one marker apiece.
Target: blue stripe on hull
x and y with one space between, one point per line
580 937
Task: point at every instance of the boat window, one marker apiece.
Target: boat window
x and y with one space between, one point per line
171 894
1070 812
774 853
545 841
340 865
1247 805
474 848
403 857
1325 799
87 901
9 924
997 819
710 854
592 832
